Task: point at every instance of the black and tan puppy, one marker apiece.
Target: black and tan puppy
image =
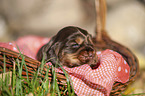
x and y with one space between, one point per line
71 47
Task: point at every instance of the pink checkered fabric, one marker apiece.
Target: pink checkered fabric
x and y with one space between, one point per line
98 81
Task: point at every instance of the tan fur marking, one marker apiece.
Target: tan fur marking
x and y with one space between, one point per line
79 40
72 58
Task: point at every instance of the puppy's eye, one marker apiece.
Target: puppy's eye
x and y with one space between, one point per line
75 45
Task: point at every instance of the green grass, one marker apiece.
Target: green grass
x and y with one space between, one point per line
14 84
138 94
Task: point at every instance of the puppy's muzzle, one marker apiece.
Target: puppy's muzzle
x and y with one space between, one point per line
87 55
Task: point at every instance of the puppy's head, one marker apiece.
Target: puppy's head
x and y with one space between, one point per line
74 47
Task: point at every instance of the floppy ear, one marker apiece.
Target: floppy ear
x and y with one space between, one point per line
52 54
43 49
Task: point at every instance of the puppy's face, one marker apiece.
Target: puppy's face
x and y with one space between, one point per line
71 47
76 49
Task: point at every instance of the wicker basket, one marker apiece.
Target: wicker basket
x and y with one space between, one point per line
102 41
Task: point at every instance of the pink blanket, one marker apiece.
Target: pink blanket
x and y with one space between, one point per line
111 67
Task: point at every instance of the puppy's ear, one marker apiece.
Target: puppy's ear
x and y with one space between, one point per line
52 54
43 49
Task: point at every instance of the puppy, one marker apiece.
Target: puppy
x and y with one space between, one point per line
71 47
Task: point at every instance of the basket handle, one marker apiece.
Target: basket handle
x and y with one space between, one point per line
100 18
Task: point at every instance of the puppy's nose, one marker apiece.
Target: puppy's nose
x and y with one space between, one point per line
85 56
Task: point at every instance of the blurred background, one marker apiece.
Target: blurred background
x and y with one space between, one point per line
125 23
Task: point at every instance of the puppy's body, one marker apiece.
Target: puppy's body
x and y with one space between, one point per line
71 47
